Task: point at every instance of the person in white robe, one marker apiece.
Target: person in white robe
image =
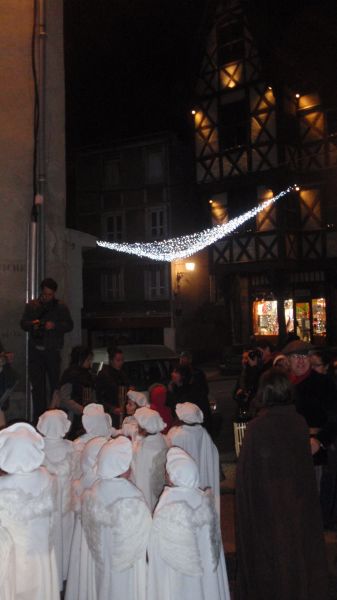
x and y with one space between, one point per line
186 559
27 504
192 437
96 422
149 455
129 427
81 565
54 425
7 566
117 523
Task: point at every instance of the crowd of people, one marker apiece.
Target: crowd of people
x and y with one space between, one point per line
112 491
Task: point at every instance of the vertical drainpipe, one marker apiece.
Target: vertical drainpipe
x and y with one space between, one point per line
36 230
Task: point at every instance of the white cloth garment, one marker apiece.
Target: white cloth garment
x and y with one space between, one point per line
117 522
7 566
185 552
195 440
96 423
27 506
81 572
54 424
148 466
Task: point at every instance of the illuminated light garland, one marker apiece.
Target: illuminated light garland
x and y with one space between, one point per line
185 246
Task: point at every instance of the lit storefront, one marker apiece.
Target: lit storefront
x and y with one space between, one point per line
307 319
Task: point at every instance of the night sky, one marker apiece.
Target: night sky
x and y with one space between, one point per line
131 64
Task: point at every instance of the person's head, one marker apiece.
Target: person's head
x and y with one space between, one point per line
81 356
149 421
189 413
282 362
116 358
320 361
48 289
266 349
298 355
53 424
135 400
21 449
158 395
274 389
185 358
180 374
114 458
181 469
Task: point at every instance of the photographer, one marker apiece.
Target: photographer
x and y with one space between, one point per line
254 362
46 319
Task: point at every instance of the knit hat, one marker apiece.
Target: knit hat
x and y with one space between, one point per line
189 413
54 424
149 419
21 449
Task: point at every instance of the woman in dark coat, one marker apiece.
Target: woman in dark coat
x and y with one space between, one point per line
280 544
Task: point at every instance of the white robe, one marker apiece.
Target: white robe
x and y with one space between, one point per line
27 504
59 462
7 566
186 559
81 574
117 523
148 466
197 442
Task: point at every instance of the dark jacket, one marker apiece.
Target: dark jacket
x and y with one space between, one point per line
55 311
280 544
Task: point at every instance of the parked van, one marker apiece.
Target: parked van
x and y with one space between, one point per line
144 364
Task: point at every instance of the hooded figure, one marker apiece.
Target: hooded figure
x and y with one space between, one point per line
81 566
54 425
96 423
134 400
192 437
27 503
158 398
117 523
7 566
186 558
149 455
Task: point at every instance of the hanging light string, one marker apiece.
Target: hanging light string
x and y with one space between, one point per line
185 246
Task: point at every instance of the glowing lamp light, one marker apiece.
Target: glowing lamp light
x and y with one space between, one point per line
190 266
297 95
297 188
187 245
210 201
193 112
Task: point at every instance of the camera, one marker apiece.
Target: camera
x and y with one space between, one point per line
253 354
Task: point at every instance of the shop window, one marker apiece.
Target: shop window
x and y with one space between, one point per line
289 315
319 316
265 317
303 321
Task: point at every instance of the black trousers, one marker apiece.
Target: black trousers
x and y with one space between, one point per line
43 364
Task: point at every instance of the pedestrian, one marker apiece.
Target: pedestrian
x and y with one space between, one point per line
46 319
81 573
111 386
95 423
58 459
280 545
149 455
158 402
117 522
134 400
186 558
27 504
192 437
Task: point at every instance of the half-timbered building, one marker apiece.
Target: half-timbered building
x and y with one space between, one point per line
254 138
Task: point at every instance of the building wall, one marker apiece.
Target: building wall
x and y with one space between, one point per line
16 148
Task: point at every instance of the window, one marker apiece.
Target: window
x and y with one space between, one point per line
319 316
233 125
114 228
230 43
157 227
265 319
112 285
155 165
156 282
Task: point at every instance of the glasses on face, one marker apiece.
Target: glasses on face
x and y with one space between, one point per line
299 356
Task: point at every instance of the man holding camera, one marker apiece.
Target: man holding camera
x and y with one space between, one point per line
46 319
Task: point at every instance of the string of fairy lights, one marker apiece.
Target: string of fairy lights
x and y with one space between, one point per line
187 245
